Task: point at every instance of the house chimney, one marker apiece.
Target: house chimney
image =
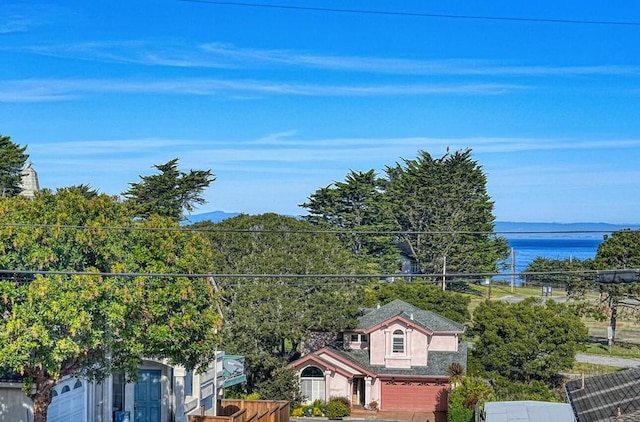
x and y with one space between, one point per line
582 384
378 307
411 316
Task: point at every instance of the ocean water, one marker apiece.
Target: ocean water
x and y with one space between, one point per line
527 249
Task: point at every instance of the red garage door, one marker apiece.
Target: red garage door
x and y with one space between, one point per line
414 395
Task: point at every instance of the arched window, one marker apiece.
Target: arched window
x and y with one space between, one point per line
398 342
65 389
78 384
312 384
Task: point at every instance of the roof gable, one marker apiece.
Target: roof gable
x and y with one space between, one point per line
398 309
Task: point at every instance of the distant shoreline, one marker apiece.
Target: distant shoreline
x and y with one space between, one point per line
501 227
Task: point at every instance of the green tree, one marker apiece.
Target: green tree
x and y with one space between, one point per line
464 398
170 193
267 318
619 251
567 273
527 341
454 306
506 390
353 208
12 160
445 213
65 308
281 385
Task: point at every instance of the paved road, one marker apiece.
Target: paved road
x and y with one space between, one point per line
608 360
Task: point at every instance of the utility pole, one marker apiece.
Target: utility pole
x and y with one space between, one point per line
444 273
513 269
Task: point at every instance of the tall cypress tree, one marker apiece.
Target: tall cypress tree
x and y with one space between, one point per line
445 214
354 209
12 159
169 193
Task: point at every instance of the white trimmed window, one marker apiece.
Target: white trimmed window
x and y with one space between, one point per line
312 384
398 342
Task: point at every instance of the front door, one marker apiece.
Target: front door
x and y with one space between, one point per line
148 396
357 396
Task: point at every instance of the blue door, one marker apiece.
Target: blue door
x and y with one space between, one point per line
148 396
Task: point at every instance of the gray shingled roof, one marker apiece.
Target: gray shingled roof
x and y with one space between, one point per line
528 411
426 319
603 394
437 364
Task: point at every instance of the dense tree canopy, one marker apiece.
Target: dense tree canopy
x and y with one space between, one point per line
563 273
12 160
63 312
439 210
620 250
267 317
355 208
170 193
454 306
445 213
527 341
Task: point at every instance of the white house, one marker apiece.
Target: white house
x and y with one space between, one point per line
162 393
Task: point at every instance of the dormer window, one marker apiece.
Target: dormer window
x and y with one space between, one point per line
359 338
398 342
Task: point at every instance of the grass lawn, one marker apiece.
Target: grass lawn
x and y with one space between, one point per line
621 349
593 369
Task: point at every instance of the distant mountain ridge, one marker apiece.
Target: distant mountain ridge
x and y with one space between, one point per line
505 228
511 229
214 216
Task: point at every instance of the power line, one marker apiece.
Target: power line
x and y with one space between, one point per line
284 231
415 14
293 276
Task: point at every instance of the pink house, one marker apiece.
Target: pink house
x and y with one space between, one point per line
397 356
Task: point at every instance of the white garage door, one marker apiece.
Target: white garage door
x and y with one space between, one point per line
69 401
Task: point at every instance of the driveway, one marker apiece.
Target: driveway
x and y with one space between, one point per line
608 360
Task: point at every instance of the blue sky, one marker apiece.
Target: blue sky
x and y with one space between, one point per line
280 102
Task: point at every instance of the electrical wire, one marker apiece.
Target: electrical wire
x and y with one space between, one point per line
319 231
415 14
439 276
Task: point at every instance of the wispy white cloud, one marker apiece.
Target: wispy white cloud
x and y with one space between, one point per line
478 144
285 165
22 17
286 147
229 56
42 90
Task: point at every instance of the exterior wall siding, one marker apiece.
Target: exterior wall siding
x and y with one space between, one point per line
337 385
444 343
337 363
377 347
15 406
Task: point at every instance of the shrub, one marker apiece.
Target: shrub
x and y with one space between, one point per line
341 399
297 412
336 408
253 396
319 404
463 399
317 411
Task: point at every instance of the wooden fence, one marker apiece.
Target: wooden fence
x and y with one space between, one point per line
248 411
